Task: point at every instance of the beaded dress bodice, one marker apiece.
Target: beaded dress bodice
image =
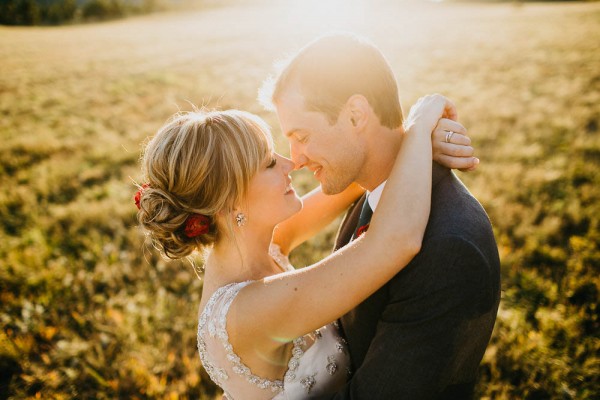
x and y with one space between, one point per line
319 363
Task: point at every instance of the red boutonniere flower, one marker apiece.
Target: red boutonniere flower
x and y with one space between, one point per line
362 230
138 194
196 225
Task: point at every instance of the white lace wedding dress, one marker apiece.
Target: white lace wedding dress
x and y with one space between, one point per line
319 363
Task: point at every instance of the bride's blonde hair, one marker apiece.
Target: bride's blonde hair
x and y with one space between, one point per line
199 163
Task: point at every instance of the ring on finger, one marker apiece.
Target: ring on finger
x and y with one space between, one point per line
449 135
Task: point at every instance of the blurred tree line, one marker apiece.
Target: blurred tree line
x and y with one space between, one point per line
53 12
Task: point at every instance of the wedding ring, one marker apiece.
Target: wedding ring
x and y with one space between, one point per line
449 136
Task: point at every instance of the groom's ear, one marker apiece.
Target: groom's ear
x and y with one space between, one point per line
358 111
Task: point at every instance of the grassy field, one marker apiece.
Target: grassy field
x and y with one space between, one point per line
89 311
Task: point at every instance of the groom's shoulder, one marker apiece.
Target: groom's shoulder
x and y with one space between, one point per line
457 218
456 212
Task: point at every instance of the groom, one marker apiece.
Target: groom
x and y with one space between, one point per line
422 335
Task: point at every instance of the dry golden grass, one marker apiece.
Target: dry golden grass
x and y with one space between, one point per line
89 311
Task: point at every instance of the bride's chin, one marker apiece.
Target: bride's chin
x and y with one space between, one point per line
298 205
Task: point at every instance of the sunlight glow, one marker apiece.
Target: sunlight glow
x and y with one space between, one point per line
327 14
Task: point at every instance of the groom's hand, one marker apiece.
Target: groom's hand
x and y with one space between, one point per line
452 147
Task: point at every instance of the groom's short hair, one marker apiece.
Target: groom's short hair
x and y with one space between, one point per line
330 70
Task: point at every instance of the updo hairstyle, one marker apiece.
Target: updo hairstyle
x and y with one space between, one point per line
199 163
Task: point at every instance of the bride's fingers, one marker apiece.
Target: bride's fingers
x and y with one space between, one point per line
455 150
450 110
449 125
440 135
460 163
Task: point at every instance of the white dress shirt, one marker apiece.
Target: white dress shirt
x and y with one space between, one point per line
374 196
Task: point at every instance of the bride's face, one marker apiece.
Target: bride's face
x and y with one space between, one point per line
271 197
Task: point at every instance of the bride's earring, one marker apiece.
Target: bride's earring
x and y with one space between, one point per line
240 219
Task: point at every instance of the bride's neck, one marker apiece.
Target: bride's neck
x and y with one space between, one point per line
243 257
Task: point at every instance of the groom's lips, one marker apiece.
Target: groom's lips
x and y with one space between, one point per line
317 171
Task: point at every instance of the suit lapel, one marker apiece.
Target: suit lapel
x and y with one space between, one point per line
348 321
351 219
359 325
349 223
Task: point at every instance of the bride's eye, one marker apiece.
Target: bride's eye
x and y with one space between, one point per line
272 163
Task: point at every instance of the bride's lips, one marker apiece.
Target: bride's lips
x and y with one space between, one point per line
289 189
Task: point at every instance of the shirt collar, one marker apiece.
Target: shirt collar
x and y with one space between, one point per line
374 196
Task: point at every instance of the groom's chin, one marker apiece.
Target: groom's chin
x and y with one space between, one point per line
326 189
329 189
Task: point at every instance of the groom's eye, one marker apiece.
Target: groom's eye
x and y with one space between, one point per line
302 139
272 163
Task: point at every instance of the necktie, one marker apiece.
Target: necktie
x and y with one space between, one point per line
364 219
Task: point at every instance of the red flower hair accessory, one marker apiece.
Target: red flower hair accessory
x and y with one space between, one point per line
138 194
196 225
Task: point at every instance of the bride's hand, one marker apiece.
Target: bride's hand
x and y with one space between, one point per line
452 147
427 111
437 114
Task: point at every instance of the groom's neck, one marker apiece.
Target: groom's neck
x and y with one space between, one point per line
382 149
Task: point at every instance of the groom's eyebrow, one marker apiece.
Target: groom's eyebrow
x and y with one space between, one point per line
291 132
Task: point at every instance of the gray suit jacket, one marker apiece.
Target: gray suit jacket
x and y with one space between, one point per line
423 334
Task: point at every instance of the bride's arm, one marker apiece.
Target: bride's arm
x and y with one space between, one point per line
285 306
318 211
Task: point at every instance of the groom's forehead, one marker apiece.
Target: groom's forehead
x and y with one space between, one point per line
290 108
292 97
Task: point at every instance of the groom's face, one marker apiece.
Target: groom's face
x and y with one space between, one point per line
332 152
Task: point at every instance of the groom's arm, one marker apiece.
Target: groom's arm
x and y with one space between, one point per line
435 326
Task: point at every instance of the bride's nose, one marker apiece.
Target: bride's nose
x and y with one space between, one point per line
287 165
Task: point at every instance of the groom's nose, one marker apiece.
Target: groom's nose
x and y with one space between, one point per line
298 157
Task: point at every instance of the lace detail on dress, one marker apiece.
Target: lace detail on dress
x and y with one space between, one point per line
294 362
282 260
216 325
311 370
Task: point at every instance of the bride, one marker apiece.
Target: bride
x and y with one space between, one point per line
215 183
